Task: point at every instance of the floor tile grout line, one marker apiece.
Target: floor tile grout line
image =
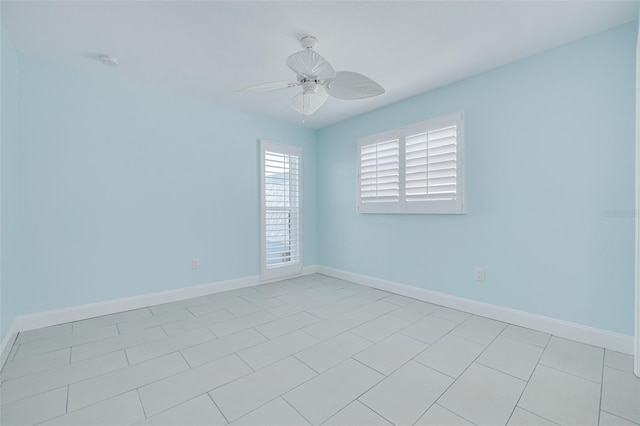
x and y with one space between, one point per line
24 375
463 371
620 417
568 372
66 405
147 343
362 393
64 347
149 383
503 372
537 415
314 370
391 313
53 350
434 368
129 389
320 342
293 408
13 356
365 404
66 384
253 370
528 343
126 357
356 326
87 406
305 381
419 353
619 369
386 337
104 374
367 390
525 388
601 385
527 381
144 412
384 376
116 324
185 360
216 404
114 350
261 405
231 353
445 408
147 308
169 408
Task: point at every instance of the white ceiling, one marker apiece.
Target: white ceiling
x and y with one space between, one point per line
210 49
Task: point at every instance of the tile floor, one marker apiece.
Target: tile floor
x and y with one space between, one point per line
310 350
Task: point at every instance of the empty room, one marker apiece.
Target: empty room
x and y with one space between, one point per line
340 213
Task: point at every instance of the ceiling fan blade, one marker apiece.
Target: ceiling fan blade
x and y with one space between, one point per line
268 87
352 85
308 103
309 63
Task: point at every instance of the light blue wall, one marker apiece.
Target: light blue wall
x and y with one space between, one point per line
122 185
8 179
549 147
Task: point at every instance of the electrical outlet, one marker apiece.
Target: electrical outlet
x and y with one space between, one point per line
195 263
478 274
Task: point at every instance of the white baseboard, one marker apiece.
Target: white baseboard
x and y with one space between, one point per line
593 336
7 343
91 310
568 330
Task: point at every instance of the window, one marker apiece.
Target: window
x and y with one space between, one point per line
414 169
281 252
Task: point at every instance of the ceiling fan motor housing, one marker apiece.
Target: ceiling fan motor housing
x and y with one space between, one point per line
309 42
309 86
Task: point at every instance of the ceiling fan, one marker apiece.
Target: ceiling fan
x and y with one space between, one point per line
318 81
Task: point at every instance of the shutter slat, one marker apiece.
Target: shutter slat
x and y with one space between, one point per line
379 172
282 216
441 173
442 142
443 180
416 161
444 132
431 165
441 150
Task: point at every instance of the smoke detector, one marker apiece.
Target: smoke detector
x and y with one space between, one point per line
109 60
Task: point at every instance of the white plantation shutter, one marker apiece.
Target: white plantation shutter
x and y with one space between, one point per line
281 213
429 169
380 172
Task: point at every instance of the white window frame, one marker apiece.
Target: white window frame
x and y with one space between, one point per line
402 206
291 268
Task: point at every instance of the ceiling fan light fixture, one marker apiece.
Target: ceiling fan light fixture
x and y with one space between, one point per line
319 80
309 86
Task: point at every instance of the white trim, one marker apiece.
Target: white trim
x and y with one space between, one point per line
402 205
592 336
91 310
7 343
637 259
311 269
290 269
